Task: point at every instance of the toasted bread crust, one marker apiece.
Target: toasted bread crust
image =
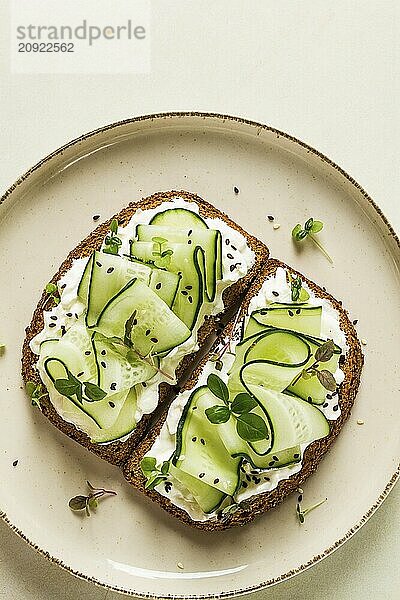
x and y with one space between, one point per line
314 452
117 452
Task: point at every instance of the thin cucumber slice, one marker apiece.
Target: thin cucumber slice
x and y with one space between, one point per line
186 261
83 288
124 425
110 273
137 312
200 451
207 497
295 317
209 240
115 372
165 284
293 422
182 216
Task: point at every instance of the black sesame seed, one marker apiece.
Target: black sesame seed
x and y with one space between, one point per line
227 242
158 286
233 247
69 315
355 321
216 480
271 218
63 330
15 463
76 316
194 408
276 294
110 269
63 286
271 464
298 311
52 324
87 353
257 480
188 287
300 498
236 189
248 477
184 293
254 472
189 242
296 455
80 374
168 486
190 231
134 322
113 387
103 364
232 268
148 331
230 256
336 407
53 317
96 217
144 384
201 475
309 399
329 396
275 458
202 442
194 439
190 299
112 404
325 405
244 484
291 313
98 263
103 352
154 340
267 479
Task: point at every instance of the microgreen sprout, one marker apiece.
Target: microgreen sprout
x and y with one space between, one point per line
303 512
162 258
298 293
155 474
36 392
249 426
112 242
322 354
53 294
311 228
91 500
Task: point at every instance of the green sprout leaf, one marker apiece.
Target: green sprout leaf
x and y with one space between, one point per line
51 288
78 503
218 387
317 226
66 387
165 467
148 465
326 379
159 240
218 414
243 403
309 224
93 393
251 427
325 351
154 482
114 226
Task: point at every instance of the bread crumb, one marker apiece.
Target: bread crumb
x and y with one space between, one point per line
276 226
364 342
360 422
179 565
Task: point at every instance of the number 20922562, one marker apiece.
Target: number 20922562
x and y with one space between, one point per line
46 47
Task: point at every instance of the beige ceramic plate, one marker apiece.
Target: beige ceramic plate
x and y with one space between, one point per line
130 544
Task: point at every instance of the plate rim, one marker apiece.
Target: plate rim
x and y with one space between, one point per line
395 476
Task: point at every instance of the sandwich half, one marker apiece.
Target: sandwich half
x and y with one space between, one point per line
260 412
127 310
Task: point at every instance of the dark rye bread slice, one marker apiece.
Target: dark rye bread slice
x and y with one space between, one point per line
117 452
313 454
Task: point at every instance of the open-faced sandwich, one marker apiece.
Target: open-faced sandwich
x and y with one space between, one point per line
238 431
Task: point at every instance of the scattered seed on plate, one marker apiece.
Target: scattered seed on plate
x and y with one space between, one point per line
364 342
15 463
180 565
96 217
276 226
360 422
236 190
270 218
